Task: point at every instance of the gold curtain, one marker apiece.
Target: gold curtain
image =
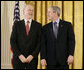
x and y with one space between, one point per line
70 11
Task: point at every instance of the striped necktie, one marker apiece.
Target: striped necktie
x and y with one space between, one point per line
27 28
55 29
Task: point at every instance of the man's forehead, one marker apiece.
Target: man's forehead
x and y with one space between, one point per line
29 6
49 9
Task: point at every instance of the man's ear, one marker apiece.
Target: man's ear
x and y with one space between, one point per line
56 14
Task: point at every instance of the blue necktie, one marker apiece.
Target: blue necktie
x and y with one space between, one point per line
55 29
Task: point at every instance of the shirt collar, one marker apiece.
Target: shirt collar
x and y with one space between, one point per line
27 20
57 21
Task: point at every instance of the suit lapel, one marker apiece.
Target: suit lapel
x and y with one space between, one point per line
60 29
31 29
23 28
51 30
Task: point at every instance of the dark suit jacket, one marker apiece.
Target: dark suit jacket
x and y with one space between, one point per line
23 44
56 51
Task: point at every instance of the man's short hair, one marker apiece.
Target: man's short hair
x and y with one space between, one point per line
56 9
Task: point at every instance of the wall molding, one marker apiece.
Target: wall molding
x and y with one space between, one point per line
6 66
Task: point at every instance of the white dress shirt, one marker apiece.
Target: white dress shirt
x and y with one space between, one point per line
29 22
57 22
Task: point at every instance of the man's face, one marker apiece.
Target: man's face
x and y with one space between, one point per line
28 12
51 14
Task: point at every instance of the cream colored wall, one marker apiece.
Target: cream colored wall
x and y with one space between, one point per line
7 11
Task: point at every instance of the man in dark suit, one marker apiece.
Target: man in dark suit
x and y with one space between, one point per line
25 41
57 42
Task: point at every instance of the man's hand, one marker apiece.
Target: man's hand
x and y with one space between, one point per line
43 62
22 58
70 59
29 58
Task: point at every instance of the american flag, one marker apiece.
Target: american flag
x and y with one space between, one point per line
16 18
16 12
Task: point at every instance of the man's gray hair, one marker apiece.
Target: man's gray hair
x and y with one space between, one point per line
56 9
